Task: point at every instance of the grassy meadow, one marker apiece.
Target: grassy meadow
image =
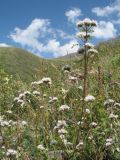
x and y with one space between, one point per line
41 106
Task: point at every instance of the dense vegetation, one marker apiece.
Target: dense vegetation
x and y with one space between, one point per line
42 118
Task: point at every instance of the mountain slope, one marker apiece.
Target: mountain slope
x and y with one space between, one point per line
28 67
24 65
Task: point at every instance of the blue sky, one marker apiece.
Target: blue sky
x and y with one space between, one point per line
48 27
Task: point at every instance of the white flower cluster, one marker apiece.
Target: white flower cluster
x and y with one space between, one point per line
73 79
113 116
11 152
90 48
60 124
109 102
86 22
89 98
93 124
5 123
64 108
109 142
62 131
87 111
45 80
89 45
21 97
37 93
41 147
83 35
92 51
53 99
117 104
10 123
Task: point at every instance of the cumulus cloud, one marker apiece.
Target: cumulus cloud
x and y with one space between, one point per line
107 10
105 30
73 14
31 37
60 50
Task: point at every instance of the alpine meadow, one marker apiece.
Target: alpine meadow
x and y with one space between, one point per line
64 107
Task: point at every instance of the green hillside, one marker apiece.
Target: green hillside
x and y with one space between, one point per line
28 67
25 66
50 119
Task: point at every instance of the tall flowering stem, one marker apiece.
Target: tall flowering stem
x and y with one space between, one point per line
86 28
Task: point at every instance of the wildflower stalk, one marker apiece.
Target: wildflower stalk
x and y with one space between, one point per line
86 28
85 66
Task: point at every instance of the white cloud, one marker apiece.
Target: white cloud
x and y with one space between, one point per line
4 45
60 50
105 30
39 29
105 11
64 35
73 14
29 36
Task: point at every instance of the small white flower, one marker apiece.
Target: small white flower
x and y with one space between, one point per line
80 144
66 142
60 124
40 82
41 147
89 45
64 108
53 99
53 142
80 123
62 136
90 137
108 101
87 111
44 95
108 144
72 78
16 99
62 131
109 140
20 101
93 124
27 93
34 83
65 71
22 95
9 111
24 123
4 123
11 152
117 104
41 107
87 22
47 80
89 98
36 93
113 116
80 87
92 50
118 149
83 35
